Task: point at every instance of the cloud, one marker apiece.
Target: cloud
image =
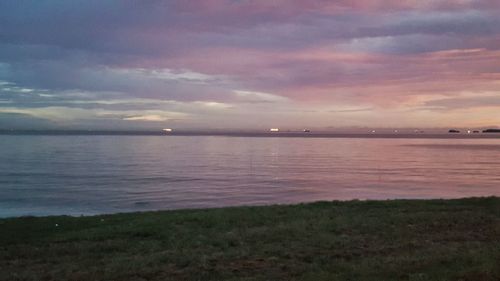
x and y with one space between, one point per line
152 117
247 63
468 101
258 97
351 110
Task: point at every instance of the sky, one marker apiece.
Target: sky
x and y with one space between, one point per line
242 64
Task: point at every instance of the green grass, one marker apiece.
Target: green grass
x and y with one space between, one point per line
372 240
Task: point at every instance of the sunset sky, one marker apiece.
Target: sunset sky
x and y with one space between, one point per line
249 64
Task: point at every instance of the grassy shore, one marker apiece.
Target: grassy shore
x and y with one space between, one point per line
373 240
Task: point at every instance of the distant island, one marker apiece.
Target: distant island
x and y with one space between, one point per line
491 131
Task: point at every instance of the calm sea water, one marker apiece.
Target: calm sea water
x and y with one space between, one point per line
74 175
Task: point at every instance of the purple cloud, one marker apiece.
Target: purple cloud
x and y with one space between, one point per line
218 60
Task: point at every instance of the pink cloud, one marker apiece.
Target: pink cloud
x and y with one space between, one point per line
358 54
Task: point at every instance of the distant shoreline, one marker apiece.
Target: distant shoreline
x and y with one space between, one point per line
284 134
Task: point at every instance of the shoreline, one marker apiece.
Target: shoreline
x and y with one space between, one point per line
236 206
437 239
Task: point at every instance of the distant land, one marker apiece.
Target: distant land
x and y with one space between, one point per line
491 131
488 133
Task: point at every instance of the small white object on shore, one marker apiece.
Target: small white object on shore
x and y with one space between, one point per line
167 130
274 130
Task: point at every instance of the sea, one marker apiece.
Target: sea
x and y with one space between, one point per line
86 174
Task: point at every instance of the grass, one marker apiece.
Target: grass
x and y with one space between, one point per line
372 240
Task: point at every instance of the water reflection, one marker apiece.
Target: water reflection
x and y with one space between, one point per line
75 175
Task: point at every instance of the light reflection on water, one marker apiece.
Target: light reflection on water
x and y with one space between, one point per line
45 175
